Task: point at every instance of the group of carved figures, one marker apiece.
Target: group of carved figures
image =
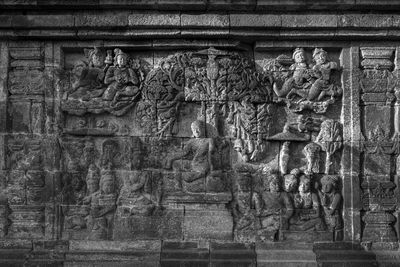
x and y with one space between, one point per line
94 202
302 85
113 84
294 202
104 83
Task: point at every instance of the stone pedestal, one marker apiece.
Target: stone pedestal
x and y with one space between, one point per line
206 215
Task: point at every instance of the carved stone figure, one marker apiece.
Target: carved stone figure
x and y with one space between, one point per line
94 222
331 201
322 71
307 215
273 208
301 78
305 87
200 149
87 79
97 87
74 191
121 79
291 182
132 197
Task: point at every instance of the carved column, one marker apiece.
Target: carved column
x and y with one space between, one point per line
378 83
351 137
27 156
3 130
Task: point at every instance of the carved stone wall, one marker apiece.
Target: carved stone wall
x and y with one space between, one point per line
199 133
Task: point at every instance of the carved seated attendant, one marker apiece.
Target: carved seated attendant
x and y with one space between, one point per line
273 208
121 79
87 80
200 149
133 199
307 208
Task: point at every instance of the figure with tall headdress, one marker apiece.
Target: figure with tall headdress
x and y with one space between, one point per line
300 75
331 201
87 78
273 208
121 79
322 72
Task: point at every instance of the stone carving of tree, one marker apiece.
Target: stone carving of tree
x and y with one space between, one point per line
330 139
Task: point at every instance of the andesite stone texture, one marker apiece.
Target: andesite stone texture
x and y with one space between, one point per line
199 133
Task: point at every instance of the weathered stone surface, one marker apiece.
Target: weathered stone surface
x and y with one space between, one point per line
208 20
245 20
154 20
109 19
312 21
199 133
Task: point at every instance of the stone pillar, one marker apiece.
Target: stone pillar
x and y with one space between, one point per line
351 146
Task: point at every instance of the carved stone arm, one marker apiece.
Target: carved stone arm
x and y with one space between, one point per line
109 78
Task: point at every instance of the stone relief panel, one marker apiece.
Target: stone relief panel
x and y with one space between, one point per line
205 144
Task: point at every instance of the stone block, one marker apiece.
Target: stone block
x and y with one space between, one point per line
205 20
167 225
125 3
172 223
141 20
215 223
106 19
285 254
232 254
5 20
184 254
351 191
3 116
365 20
20 112
350 161
246 5
308 237
44 21
309 21
255 20
182 5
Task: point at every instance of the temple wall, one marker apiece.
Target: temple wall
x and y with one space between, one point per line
199 133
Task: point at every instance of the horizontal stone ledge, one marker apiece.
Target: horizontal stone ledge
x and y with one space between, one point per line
133 35
283 5
125 19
